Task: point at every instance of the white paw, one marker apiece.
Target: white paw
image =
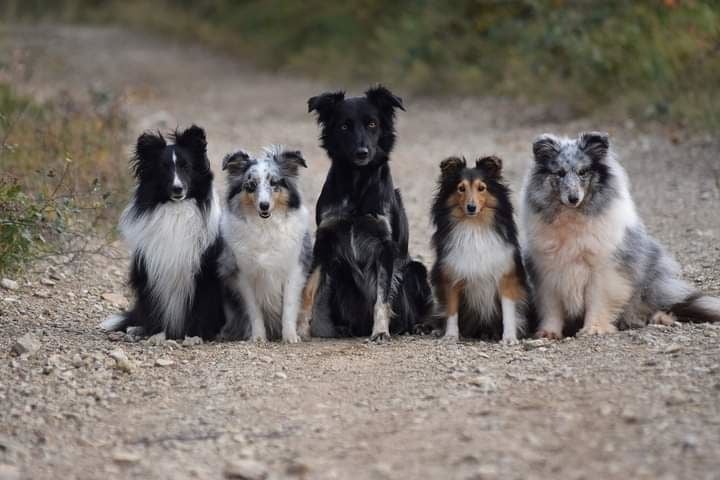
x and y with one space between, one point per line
597 329
259 338
112 323
380 337
450 337
157 339
291 338
509 340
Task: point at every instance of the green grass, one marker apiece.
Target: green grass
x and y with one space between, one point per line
59 181
651 59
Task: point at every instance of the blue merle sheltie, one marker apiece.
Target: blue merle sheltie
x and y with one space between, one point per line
591 262
363 282
265 227
172 226
478 276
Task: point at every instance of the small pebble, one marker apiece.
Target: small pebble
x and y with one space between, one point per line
8 284
245 470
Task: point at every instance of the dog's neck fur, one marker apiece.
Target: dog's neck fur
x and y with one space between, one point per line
358 190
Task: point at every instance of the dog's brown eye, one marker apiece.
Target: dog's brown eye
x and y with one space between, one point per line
481 188
372 124
344 127
461 189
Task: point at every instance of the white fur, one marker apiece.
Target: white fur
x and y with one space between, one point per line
480 258
270 278
573 256
452 332
112 323
509 320
172 239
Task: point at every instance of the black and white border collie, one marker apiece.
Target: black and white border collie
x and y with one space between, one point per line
363 282
266 230
478 275
172 226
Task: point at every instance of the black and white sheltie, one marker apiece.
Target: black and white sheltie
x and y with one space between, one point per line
478 276
172 226
266 230
363 281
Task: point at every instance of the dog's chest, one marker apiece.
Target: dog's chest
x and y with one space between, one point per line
171 240
573 237
477 254
266 246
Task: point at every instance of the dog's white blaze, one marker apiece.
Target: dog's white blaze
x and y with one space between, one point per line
176 179
479 257
267 252
451 328
172 239
112 323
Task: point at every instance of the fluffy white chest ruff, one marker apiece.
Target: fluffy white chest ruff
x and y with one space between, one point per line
171 240
569 249
479 257
266 252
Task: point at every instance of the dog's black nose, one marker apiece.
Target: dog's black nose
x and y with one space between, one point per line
573 199
362 153
177 190
471 208
264 206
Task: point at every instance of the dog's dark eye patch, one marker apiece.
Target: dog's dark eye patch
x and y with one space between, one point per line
583 171
250 186
561 173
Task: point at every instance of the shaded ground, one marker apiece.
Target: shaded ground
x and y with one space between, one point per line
640 404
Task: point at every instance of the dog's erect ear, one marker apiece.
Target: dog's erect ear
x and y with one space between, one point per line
594 144
384 99
452 165
193 139
148 149
237 163
491 165
290 161
546 147
323 104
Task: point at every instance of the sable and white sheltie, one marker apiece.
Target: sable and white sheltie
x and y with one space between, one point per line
478 276
266 230
592 264
365 280
172 226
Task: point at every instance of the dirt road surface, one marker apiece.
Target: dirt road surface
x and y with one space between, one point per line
638 404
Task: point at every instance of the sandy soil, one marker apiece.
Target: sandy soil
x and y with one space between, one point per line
637 404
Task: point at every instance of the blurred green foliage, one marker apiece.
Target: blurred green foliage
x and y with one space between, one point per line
60 185
657 59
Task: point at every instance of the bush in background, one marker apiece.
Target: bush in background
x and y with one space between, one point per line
657 59
59 177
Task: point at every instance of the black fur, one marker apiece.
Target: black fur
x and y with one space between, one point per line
362 237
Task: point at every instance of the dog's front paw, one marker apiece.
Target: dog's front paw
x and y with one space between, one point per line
597 329
258 338
291 338
549 334
380 337
450 337
663 318
509 340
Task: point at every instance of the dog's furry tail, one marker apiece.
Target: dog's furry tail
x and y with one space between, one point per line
698 308
118 322
414 302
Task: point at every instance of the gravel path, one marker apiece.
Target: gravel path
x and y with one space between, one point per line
81 404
